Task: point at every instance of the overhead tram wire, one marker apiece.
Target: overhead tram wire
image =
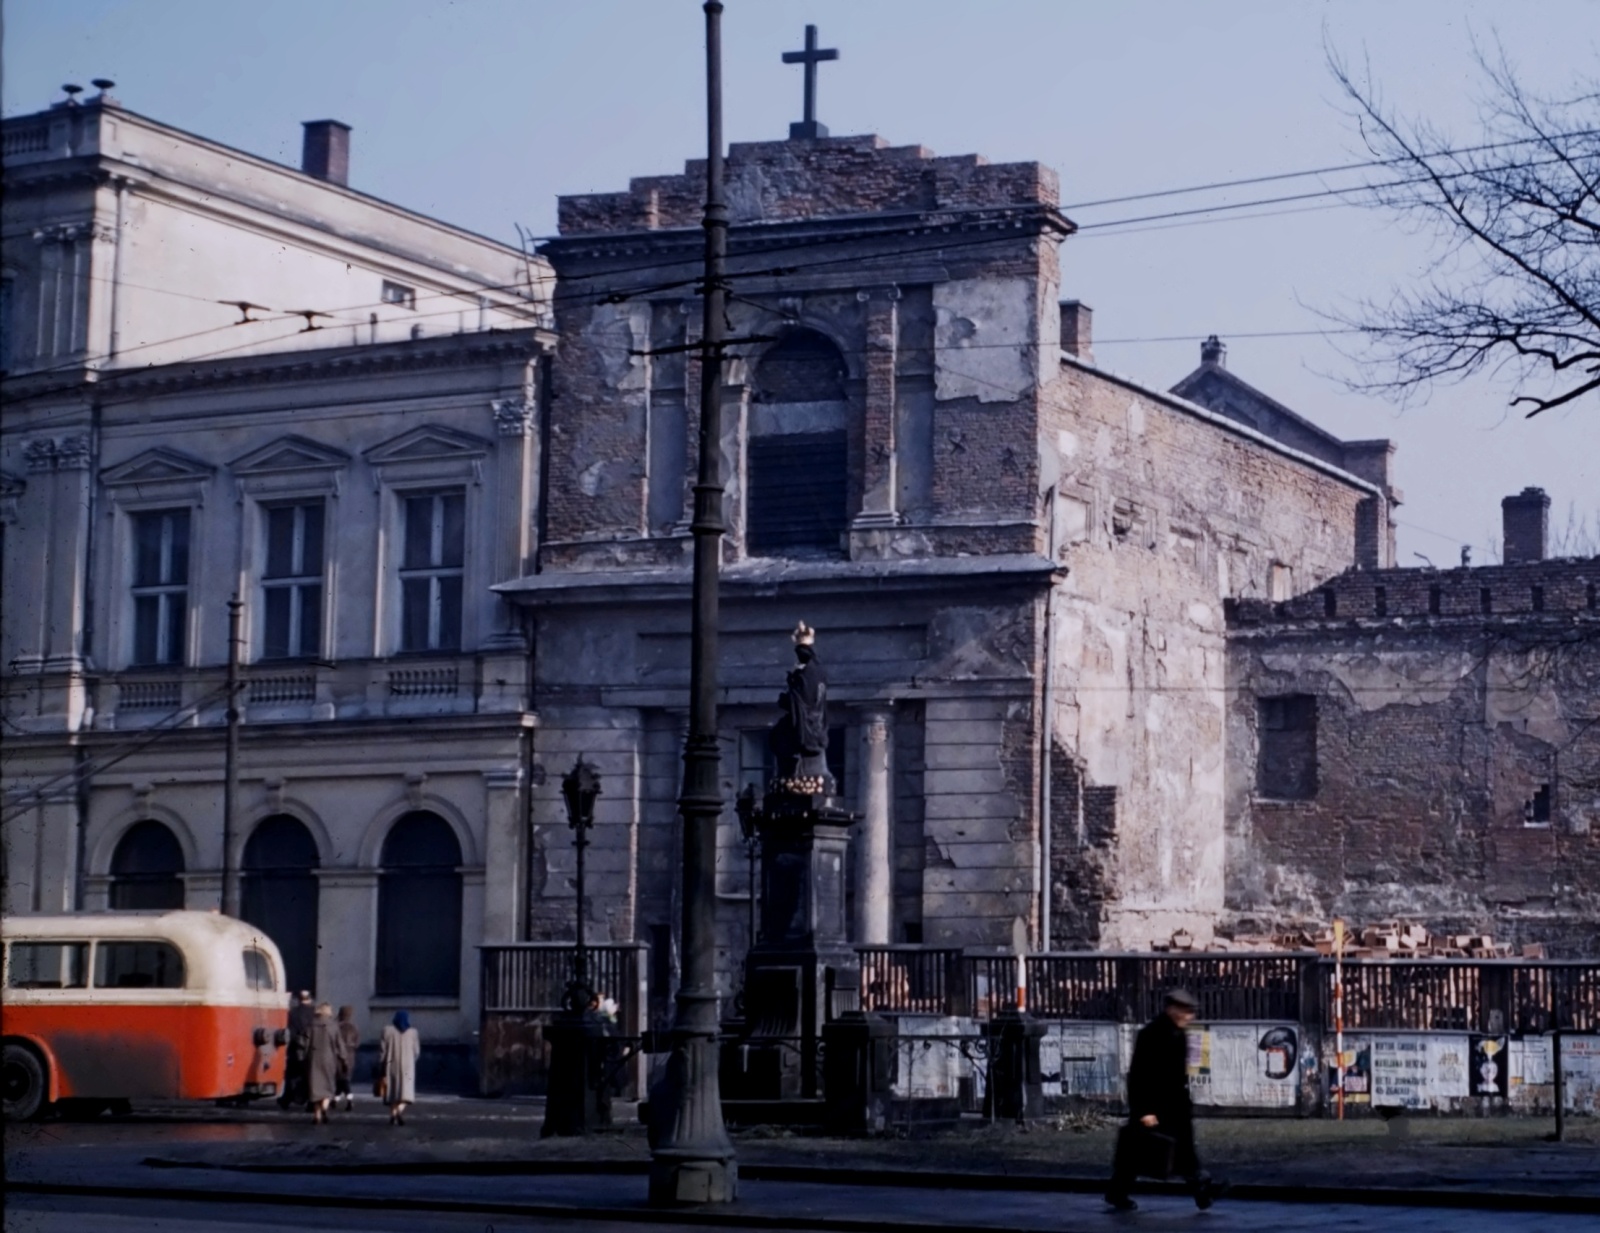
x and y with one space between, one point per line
1321 171
1191 217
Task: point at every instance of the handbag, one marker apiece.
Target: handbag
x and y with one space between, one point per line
1149 1151
380 1085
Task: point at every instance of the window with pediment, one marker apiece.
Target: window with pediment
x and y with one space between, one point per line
431 571
290 487
291 583
160 586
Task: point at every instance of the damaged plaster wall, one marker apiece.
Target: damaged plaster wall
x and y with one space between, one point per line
1158 516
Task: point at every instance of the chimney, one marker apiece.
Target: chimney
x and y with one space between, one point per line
1525 519
1214 351
1077 330
326 152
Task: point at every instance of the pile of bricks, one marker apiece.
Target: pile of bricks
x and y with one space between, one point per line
1391 939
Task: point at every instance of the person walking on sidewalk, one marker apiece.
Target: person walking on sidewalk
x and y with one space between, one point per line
324 1059
301 1016
397 1064
1158 1101
350 1039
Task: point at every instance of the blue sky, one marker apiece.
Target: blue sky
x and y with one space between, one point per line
483 111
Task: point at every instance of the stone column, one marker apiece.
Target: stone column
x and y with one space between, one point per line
503 861
874 875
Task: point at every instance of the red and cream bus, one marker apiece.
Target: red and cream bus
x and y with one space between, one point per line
102 1009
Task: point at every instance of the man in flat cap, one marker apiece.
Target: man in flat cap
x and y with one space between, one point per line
1158 1101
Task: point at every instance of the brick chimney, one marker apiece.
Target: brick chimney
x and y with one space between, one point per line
1214 351
326 152
1526 525
1077 330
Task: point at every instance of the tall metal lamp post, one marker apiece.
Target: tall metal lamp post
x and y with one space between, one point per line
692 1158
576 1102
579 788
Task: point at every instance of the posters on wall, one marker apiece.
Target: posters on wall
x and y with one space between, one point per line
1244 1065
1580 1065
1489 1071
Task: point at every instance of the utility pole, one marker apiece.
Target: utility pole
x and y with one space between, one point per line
693 1159
230 764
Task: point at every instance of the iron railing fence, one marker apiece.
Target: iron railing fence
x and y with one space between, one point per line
1478 995
1467 995
524 987
912 980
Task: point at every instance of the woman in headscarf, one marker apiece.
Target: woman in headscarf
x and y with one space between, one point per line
397 1061
322 1062
350 1039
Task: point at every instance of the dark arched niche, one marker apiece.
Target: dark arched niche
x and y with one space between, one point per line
797 461
147 868
279 893
419 909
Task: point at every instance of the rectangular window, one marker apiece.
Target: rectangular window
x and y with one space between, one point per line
48 965
291 585
1286 766
137 965
431 571
399 293
160 586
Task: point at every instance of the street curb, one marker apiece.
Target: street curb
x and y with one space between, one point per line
1387 1196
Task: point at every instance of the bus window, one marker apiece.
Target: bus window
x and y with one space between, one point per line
258 970
137 965
48 965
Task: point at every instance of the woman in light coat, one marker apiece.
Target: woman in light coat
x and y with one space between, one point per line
325 1055
397 1061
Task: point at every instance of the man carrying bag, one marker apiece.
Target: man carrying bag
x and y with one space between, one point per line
1159 1137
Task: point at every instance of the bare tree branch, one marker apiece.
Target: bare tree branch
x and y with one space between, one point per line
1514 286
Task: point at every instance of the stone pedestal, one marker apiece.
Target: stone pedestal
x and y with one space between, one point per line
802 972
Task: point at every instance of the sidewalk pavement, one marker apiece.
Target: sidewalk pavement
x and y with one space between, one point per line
468 1147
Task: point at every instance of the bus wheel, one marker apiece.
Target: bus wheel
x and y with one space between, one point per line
23 1083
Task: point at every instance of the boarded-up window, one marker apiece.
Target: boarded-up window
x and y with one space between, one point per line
797 458
1286 765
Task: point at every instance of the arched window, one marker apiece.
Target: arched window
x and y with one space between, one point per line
147 869
279 893
797 461
419 909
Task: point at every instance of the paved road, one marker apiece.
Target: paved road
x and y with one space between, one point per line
568 1204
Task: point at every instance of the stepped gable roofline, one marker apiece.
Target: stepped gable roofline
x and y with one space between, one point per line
1168 398
790 181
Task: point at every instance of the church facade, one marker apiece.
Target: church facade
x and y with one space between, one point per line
1015 560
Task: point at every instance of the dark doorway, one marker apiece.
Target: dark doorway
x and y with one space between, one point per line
419 909
797 457
147 869
278 893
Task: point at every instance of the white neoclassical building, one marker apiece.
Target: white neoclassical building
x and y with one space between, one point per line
226 377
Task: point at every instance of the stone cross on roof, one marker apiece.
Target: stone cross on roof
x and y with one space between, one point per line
810 57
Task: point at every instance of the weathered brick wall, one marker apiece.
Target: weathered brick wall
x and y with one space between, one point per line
1437 728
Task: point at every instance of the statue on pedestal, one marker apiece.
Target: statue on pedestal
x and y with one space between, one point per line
799 739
